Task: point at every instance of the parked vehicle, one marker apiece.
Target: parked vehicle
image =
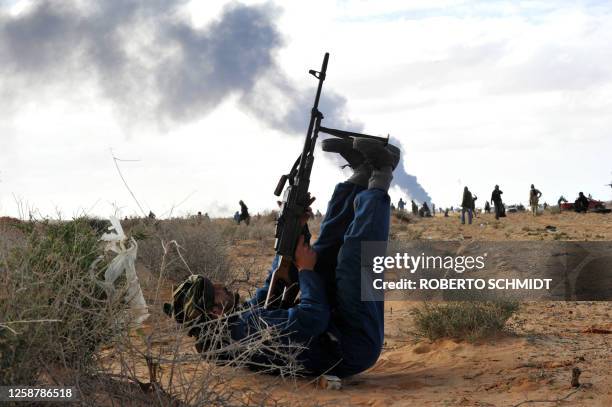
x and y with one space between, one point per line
594 206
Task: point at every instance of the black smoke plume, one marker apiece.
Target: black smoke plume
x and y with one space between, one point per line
154 64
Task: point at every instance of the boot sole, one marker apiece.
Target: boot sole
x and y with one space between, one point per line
374 151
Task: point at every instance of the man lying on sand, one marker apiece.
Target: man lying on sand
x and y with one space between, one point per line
341 334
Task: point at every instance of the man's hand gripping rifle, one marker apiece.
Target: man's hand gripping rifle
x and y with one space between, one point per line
290 225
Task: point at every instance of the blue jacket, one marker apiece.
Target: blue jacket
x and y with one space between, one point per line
307 324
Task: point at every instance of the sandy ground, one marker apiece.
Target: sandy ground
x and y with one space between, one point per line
533 360
516 226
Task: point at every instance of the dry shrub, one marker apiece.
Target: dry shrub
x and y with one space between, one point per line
261 229
11 234
463 320
52 312
186 246
402 216
203 244
270 216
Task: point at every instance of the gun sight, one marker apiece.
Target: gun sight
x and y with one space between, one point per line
317 74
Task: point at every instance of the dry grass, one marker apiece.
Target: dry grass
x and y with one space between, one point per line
463 320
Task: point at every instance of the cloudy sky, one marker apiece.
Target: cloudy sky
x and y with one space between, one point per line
210 99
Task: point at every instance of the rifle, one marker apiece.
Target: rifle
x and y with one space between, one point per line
294 204
284 287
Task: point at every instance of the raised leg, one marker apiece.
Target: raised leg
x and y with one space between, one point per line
361 323
339 215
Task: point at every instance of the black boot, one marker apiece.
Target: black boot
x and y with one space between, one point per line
344 147
361 170
383 158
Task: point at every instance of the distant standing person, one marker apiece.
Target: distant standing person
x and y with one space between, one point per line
433 209
401 204
467 205
487 207
415 208
244 214
425 210
497 201
534 198
474 198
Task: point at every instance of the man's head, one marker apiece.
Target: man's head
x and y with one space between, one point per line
199 298
532 186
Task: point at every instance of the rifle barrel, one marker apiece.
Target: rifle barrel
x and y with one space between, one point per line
311 134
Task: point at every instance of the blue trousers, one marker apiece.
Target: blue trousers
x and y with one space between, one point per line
469 212
354 215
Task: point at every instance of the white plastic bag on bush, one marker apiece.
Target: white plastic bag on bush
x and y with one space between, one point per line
124 263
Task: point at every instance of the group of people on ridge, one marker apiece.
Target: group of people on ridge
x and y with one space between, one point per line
468 203
423 211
